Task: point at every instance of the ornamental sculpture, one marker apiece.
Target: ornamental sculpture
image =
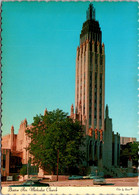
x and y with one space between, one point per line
90 132
96 134
101 135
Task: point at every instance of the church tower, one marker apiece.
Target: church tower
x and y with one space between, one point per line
90 75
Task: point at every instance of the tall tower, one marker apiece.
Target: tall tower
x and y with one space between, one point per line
90 74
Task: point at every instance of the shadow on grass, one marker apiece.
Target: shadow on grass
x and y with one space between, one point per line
105 184
108 184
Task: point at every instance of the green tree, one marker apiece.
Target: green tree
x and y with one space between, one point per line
23 171
129 151
53 133
134 153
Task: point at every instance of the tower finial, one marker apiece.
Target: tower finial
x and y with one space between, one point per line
90 12
72 111
25 121
12 128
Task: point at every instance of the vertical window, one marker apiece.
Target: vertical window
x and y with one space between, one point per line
90 98
100 151
112 153
95 58
95 150
90 119
90 152
95 97
100 96
4 161
101 58
84 109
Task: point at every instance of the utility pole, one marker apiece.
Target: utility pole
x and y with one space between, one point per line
28 170
57 162
27 157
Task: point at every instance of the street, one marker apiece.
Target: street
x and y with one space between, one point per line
110 182
89 182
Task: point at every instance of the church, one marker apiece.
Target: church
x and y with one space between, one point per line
102 145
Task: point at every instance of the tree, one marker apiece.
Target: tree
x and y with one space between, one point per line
134 153
23 171
129 151
52 133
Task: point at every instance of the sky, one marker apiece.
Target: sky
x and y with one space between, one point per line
39 42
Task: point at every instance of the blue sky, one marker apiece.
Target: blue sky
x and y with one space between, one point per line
38 59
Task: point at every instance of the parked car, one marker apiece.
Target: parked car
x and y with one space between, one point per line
35 179
99 180
90 176
30 183
74 177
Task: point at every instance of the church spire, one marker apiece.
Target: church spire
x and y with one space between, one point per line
45 112
107 112
90 14
72 111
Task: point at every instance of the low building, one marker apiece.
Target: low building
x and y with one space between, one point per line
14 152
125 140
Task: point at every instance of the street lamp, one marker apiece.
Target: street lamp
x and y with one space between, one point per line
57 162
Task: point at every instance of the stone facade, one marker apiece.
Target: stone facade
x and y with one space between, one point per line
90 75
111 150
16 144
107 150
14 150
